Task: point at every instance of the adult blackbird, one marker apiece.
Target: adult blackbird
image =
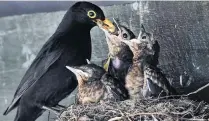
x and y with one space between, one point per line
95 85
47 81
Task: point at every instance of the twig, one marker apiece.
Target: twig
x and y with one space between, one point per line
115 119
155 113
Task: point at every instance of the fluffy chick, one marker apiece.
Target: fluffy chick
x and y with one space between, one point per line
144 78
95 85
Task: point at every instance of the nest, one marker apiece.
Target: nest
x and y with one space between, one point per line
137 110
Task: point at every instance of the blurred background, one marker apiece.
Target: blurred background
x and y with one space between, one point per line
181 28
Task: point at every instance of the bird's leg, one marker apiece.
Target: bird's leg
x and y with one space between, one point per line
48 115
57 112
60 106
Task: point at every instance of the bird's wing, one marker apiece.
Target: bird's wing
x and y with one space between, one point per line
151 89
157 81
114 87
40 65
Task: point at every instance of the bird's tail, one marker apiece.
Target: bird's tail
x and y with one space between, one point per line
10 108
6 111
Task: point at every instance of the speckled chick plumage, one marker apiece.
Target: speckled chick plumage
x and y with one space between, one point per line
95 85
144 78
119 53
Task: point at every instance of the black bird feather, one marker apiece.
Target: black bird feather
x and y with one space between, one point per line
47 81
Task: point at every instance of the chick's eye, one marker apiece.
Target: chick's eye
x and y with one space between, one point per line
144 37
92 14
125 35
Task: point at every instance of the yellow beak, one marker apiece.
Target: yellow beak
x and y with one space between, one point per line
106 24
107 64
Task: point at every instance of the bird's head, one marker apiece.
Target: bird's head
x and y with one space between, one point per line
88 13
126 34
87 73
114 39
139 48
121 31
117 49
145 36
144 40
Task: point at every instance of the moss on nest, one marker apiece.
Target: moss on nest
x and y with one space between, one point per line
130 110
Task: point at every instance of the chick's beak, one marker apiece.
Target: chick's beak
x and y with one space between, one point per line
127 42
130 44
106 25
77 72
80 75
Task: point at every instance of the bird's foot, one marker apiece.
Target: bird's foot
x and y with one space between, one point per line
60 107
55 110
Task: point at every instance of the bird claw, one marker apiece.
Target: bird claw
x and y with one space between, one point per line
61 106
56 110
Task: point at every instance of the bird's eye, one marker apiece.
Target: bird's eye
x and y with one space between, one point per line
92 14
125 35
144 37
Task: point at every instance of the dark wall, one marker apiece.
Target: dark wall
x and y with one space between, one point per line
182 29
9 8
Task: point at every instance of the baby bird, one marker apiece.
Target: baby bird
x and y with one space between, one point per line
120 56
148 38
144 79
95 85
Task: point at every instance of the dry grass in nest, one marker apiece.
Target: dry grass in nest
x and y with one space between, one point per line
130 110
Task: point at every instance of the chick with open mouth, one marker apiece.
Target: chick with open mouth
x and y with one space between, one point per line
120 56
